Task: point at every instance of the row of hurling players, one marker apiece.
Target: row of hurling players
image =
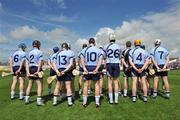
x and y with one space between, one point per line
93 63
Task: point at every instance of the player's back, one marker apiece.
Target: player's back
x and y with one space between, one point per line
113 52
91 55
17 57
138 56
160 54
63 58
125 55
34 57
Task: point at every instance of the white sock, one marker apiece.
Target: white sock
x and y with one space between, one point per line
97 98
13 94
116 95
27 98
85 100
21 95
125 91
39 99
55 100
155 93
69 100
110 96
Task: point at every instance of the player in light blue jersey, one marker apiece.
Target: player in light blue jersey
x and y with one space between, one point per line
17 65
91 59
160 59
80 69
113 53
139 60
62 66
52 72
34 66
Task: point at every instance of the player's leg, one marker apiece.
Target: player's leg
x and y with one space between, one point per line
89 88
56 92
21 88
97 92
39 91
115 76
144 87
28 90
85 92
134 88
80 84
110 89
72 88
155 86
68 85
101 84
166 85
13 87
125 86
116 90
148 85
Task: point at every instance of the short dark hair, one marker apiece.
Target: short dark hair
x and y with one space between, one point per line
64 45
84 45
128 44
91 41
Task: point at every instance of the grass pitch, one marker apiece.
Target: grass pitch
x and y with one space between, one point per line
158 109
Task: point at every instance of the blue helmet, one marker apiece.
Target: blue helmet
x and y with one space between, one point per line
143 47
22 46
56 49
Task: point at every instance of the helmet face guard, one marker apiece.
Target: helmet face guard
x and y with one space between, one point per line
112 37
157 42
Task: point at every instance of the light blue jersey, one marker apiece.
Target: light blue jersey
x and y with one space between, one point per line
18 57
159 54
113 52
52 57
138 56
34 57
91 55
63 58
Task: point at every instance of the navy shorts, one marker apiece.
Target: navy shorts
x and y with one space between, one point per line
52 72
136 74
113 70
94 77
32 70
127 72
66 77
23 70
161 74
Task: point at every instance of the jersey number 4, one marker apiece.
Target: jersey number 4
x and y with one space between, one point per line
139 57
